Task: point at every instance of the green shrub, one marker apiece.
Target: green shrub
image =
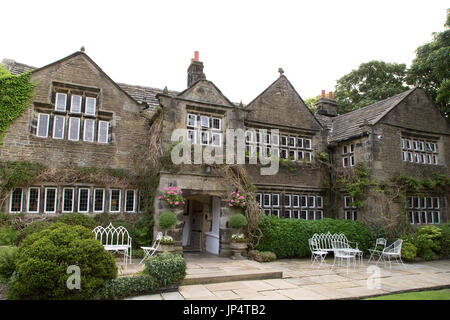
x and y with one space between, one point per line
289 237
237 221
423 244
167 220
445 240
77 219
434 234
166 269
262 256
5 219
43 260
8 236
409 251
126 286
7 259
32 227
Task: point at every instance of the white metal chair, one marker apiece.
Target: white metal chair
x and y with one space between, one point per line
342 251
316 253
393 251
114 239
149 251
376 251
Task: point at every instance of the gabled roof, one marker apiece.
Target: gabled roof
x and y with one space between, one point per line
351 124
144 94
16 68
205 91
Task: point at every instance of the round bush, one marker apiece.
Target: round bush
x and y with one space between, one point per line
7 258
166 269
77 219
32 227
44 257
237 221
409 251
167 220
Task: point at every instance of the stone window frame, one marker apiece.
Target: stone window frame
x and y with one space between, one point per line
94 199
110 200
420 208
72 104
38 199
63 204
80 189
210 130
348 155
13 199
78 120
350 212
39 124
419 150
107 131
126 201
57 95
55 201
84 130
63 127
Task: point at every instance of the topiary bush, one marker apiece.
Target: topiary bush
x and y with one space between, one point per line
167 220
409 251
126 286
166 269
77 219
7 265
237 221
43 260
288 238
8 236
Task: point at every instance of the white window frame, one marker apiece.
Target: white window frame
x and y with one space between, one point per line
55 202
63 126
276 212
290 200
72 104
65 101
295 154
64 199
207 138
201 121
300 145
288 211
264 200
21 201
310 144
287 142
194 138
276 195
286 152
295 196
93 130
216 134
189 115
321 202
220 123
275 139
71 120
38 199
259 195
86 106
107 131
110 198
39 124
249 135
267 139
126 201
79 200
95 198
438 217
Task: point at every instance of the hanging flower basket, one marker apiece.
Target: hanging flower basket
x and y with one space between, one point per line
172 196
237 200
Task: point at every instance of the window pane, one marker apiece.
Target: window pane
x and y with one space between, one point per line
204 121
114 203
68 200
42 125
16 200
303 200
58 127
216 123
60 103
103 128
216 139
295 201
83 200
75 105
266 200
129 201
307 143
33 200
74 129
90 105
50 200
275 200
99 195
89 130
192 120
287 200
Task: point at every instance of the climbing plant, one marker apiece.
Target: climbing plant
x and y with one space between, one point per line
15 95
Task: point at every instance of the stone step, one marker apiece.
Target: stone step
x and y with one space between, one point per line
207 278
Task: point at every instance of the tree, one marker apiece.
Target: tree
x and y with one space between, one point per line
431 68
371 82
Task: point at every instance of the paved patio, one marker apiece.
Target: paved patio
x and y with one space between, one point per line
301 281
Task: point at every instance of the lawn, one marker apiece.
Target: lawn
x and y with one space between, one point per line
420 295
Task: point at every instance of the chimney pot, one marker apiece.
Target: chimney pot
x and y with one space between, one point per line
330 95
323 94
196 56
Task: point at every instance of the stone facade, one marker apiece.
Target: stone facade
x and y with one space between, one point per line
301 187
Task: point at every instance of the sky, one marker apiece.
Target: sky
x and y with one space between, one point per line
241 43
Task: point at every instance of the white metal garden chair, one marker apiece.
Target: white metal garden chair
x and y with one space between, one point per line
343 252
376 251
316 253
149 251
393 251
114 239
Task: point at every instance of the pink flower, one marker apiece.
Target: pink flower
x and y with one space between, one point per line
233 192
183 202
237 201
176 203
167 189
230 205
243 203
168 199
181 192
232 201
175 193
171 202
241 197
237 195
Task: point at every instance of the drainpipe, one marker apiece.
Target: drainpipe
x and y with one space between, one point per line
330 169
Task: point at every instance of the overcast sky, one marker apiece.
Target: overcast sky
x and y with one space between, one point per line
242 43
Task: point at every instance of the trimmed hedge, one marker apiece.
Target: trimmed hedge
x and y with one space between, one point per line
126 286
288 238
167 269
77 219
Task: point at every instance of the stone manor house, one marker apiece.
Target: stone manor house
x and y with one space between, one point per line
80 117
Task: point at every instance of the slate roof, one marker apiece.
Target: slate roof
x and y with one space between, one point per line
15 67
350 124
144 94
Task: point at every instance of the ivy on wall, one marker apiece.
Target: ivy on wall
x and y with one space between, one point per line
15 95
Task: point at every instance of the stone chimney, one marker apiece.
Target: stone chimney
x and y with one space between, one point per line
326 106
195 70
